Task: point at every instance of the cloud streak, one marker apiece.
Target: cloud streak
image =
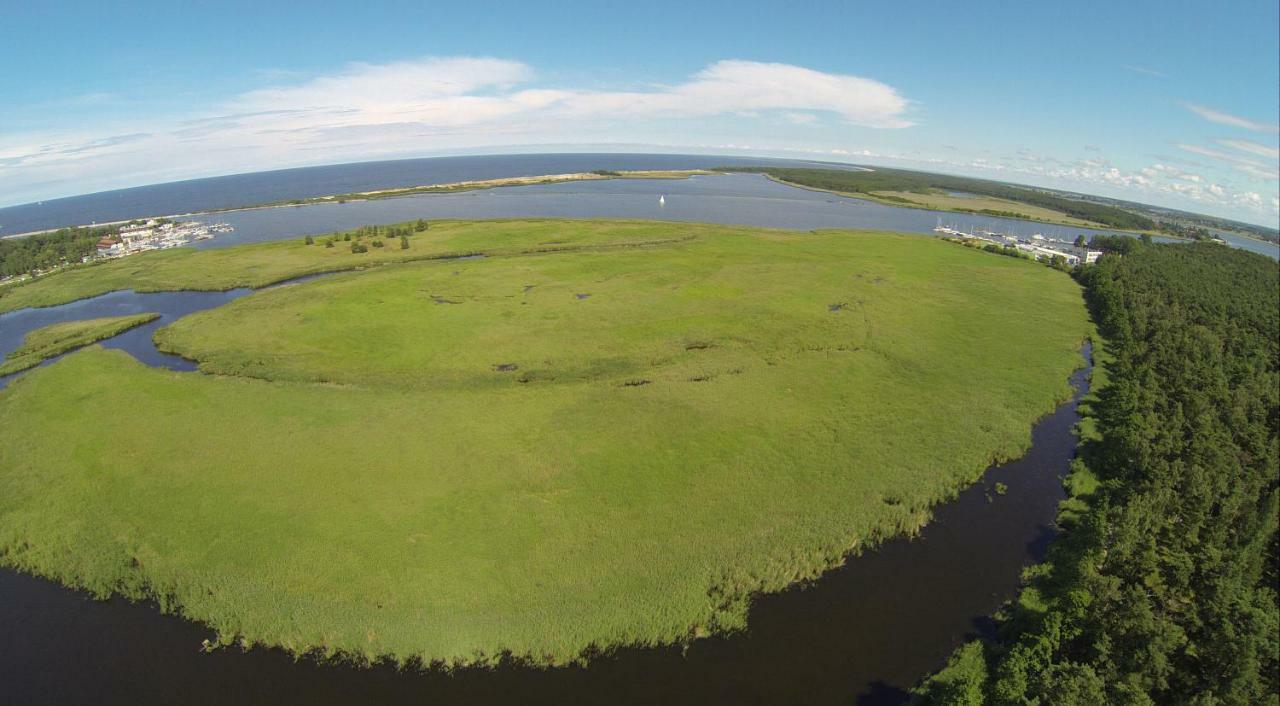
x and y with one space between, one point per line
1251 147
1241 164
1221 118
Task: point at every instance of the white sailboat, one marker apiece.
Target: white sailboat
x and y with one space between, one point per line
662 200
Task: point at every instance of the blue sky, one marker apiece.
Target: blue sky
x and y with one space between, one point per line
1172 103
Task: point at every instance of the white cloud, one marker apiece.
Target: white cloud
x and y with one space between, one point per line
1172 172
1249 198
437 92
745 86
469 92
1221 118
1159 183
407 108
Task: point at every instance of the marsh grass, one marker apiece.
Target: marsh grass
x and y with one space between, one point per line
942 201
362 475
262 264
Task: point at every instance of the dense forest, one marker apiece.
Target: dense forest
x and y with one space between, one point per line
865 182
44 250
1162 587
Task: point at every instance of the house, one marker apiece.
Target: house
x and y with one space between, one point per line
108 248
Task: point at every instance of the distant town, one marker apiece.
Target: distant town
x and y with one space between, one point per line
29 258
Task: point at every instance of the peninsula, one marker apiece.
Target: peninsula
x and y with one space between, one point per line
602 433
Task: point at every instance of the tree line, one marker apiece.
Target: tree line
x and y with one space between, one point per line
1162 587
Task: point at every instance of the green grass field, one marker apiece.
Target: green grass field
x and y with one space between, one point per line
261 264
56 339
942 201
450 460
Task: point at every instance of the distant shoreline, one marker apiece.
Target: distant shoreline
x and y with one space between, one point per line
481 184
1099 226
443 188
943 209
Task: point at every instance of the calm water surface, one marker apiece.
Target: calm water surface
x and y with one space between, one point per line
736 199
308 182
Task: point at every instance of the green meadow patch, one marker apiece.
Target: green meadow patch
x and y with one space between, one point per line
535 453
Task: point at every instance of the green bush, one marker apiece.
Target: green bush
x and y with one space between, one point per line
961 683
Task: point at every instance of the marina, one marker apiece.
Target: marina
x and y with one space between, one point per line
156 235
1036 246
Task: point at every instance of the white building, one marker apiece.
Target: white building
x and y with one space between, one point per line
109 248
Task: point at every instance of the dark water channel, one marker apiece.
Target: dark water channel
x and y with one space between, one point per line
137 342
862 634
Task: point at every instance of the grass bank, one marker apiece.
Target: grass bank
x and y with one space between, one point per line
56 339
449 461
980 205
261 264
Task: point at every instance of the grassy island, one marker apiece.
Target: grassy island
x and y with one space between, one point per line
604 433
56 339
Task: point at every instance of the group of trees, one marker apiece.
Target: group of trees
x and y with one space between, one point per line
44 250
1162 587
1117 244
1186 230
393 231
375 236
881 179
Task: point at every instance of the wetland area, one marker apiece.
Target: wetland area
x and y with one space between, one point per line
683 326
